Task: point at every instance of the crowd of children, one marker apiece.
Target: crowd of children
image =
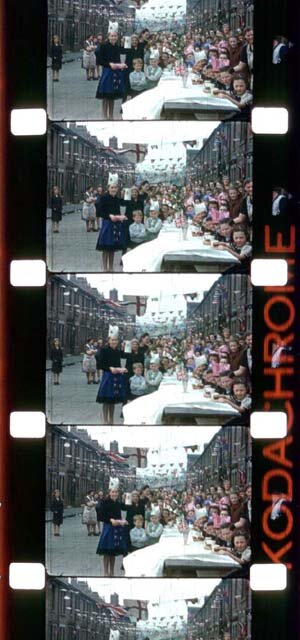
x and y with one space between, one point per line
219 516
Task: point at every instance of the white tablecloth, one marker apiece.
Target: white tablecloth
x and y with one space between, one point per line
149 561
149 255
149 104
149 409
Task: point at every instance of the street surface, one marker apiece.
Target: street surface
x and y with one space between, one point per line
73 97
73 553
73 401
73 249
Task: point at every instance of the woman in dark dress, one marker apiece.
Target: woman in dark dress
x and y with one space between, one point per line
136 51
112 82
112 388
57 508
56 204
137 507
56 54
132 358
56 357
112 235
113 539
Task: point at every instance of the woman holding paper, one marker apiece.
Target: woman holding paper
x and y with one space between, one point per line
112 82
112 235
112 388
113 540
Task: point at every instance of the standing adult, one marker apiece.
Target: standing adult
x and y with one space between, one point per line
279 203
57 508
280 49
98 507
112 82
89 209
89 516
56 205
98 358
56 356
89 365
56 55
112 235
98 196
113 540
112 388
99 43
89 58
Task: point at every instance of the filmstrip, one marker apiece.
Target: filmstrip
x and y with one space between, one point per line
275 353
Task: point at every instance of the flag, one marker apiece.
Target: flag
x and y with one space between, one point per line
116 611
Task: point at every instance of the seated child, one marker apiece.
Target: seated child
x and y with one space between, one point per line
138 536
153 224
225 536
153 71
137 231
240 247
153 376
241 551
137 78
154 528
240 398
224 232
138 385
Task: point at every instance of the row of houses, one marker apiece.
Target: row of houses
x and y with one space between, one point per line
77 463
228 303
76 159
227 152
77 312
74 20
225 614
228 456
212 14
75 612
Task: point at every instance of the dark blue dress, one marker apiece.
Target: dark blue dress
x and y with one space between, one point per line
112 82
112 235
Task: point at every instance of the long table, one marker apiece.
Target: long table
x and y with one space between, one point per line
169 399
170 246
170 94
171 557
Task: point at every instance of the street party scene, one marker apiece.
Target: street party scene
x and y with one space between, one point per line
179 508
159 198
149 609
119 60
149 350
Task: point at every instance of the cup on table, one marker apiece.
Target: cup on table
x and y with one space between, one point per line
215 243
216 396
208 543
216 547
207 87
215 91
